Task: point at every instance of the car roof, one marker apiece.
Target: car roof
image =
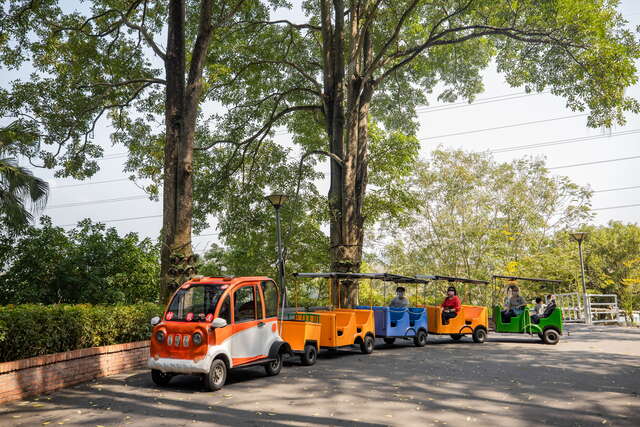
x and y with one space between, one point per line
226 280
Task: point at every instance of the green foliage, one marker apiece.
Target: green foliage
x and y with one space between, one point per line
34 330
20 193
474 217
88 264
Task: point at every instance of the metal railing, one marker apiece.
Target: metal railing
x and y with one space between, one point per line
603 308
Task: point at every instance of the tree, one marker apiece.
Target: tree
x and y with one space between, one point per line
352 63
88 264
360 62
104 59
475 217
17 186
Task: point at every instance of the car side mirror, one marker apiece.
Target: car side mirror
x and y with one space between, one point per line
218 322
155 320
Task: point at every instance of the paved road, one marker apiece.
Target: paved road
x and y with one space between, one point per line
591 378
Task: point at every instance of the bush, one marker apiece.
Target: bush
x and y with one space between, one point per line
33 330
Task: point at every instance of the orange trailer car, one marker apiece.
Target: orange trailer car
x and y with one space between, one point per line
302 331
471 319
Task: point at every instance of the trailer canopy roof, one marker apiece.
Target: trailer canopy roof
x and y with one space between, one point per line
528 279
452 279
387 277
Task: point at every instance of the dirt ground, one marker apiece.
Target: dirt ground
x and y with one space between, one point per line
592 377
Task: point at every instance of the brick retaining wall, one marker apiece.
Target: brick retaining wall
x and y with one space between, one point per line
27 377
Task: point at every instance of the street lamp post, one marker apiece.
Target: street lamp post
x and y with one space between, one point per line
579 237
277 200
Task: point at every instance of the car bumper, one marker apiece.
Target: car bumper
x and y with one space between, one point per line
180 366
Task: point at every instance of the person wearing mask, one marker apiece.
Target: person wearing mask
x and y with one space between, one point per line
399 301
514 305
450 306
551 305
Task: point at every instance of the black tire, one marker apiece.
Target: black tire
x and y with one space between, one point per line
550 336
310 355
540 335
217 375
160 378
366 346
389 340
456 337
479 335
420 340
274 367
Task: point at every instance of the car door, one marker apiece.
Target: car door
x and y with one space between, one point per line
246 342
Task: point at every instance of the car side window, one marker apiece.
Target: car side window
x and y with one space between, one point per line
270 292
225 310
244 302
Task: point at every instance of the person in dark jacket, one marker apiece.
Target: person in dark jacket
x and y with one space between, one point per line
551 305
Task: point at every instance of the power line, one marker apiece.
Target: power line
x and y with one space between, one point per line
92 183
96 202
563 141
501 127
617 207
118 220
617 189
480 101
596 162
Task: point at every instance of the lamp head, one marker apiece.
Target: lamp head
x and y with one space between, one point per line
277 199
579 236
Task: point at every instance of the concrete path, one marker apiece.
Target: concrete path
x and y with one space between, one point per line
592 377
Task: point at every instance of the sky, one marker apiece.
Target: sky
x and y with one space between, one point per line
501 117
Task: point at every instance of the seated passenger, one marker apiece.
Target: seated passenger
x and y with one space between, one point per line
450 306
538 309
514 304
551 305
399 301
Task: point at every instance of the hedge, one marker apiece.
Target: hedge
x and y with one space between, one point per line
33 330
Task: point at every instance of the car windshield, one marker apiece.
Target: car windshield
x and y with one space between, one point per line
196 303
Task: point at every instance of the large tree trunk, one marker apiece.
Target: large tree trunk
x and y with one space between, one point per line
347 128
176 252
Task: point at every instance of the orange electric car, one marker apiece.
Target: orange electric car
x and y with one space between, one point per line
213 324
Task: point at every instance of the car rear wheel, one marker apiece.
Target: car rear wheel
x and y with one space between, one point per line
366 346
310 355
389 340
160 378
479 335
420 340
274 367
217 375
456 337
550 336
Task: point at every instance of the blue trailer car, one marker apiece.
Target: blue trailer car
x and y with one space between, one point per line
400 323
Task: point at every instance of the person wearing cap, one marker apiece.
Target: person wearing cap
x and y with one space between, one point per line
514 305
399 301
451 305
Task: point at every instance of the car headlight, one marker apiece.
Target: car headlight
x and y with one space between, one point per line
159 336
197 338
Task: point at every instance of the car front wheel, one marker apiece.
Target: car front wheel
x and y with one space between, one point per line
420 340
366 346
160 378
217 375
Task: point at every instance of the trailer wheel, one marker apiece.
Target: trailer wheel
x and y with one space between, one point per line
217 375
389 340
420 340
456 337
274 367
550 336
160 378
310 355
479 335
366 346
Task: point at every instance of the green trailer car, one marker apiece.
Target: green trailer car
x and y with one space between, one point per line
548 328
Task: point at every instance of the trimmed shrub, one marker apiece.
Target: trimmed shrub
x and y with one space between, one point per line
33 330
